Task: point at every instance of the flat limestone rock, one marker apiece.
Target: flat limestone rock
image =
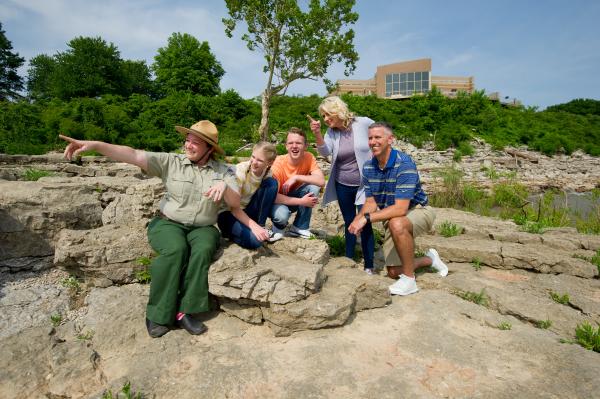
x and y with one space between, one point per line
111 251
279 278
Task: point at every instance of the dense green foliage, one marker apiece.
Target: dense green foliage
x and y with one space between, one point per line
578 106
144 122
10 81
187 65
89 68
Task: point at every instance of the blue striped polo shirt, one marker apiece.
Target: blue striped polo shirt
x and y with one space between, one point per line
398 180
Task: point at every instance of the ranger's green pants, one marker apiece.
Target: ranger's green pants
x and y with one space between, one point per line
180 271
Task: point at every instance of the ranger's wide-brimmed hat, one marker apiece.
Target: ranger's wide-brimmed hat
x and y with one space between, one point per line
205 130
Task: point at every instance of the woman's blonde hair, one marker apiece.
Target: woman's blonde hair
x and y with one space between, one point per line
267 149
334 105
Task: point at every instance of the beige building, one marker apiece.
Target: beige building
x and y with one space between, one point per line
403 79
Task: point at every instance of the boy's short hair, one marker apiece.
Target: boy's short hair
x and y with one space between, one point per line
298 131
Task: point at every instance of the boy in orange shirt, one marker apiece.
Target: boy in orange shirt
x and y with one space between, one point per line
300 180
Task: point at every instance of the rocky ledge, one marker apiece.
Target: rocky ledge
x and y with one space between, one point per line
491 328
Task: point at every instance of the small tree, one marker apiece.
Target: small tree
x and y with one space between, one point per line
187 65
296 44
10 81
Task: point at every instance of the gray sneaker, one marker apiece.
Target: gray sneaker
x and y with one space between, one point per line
275 234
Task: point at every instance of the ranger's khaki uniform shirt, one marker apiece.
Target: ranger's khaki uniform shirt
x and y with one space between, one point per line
185 183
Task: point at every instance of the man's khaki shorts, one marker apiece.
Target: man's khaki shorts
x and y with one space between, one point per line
422 218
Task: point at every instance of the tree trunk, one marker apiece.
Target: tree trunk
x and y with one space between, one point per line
264 120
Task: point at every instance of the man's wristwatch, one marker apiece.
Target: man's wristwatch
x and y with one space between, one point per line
367 216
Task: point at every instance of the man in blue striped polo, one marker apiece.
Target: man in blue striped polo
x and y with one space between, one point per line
395 197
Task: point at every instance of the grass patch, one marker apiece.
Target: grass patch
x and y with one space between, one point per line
85 336
480 298
596 260
505 325
378 237
449 229
562 299
125 393
509 199
71 283
544 324
337 245
587 336
55 319
457 156
419 253
530 227
491 173
143 276
36 174
476 263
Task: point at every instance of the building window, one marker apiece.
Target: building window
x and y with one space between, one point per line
406 83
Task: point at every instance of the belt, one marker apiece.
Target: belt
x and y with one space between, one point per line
165 217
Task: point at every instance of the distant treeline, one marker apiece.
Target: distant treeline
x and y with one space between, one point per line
145 122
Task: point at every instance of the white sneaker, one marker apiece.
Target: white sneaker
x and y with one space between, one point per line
437 263
299 232
404 286
275 234
370 272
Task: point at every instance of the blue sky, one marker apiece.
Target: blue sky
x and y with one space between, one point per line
541 52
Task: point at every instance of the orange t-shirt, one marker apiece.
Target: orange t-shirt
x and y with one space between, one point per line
282 168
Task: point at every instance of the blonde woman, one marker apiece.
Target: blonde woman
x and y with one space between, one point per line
347 141
245 225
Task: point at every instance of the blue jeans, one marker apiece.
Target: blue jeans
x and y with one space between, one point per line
281 213
258 210
346 197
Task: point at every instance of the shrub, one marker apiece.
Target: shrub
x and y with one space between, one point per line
36 174
449 229
457 156
71 283
476 264
85 336
596 260
465 148
562 299
479 298
588 337
504 325
143 276
55 319
510 194
126 392
337 245
544 324
378 237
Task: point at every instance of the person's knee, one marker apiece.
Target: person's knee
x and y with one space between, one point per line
178 248
398 226
281 215
311 188
269 182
